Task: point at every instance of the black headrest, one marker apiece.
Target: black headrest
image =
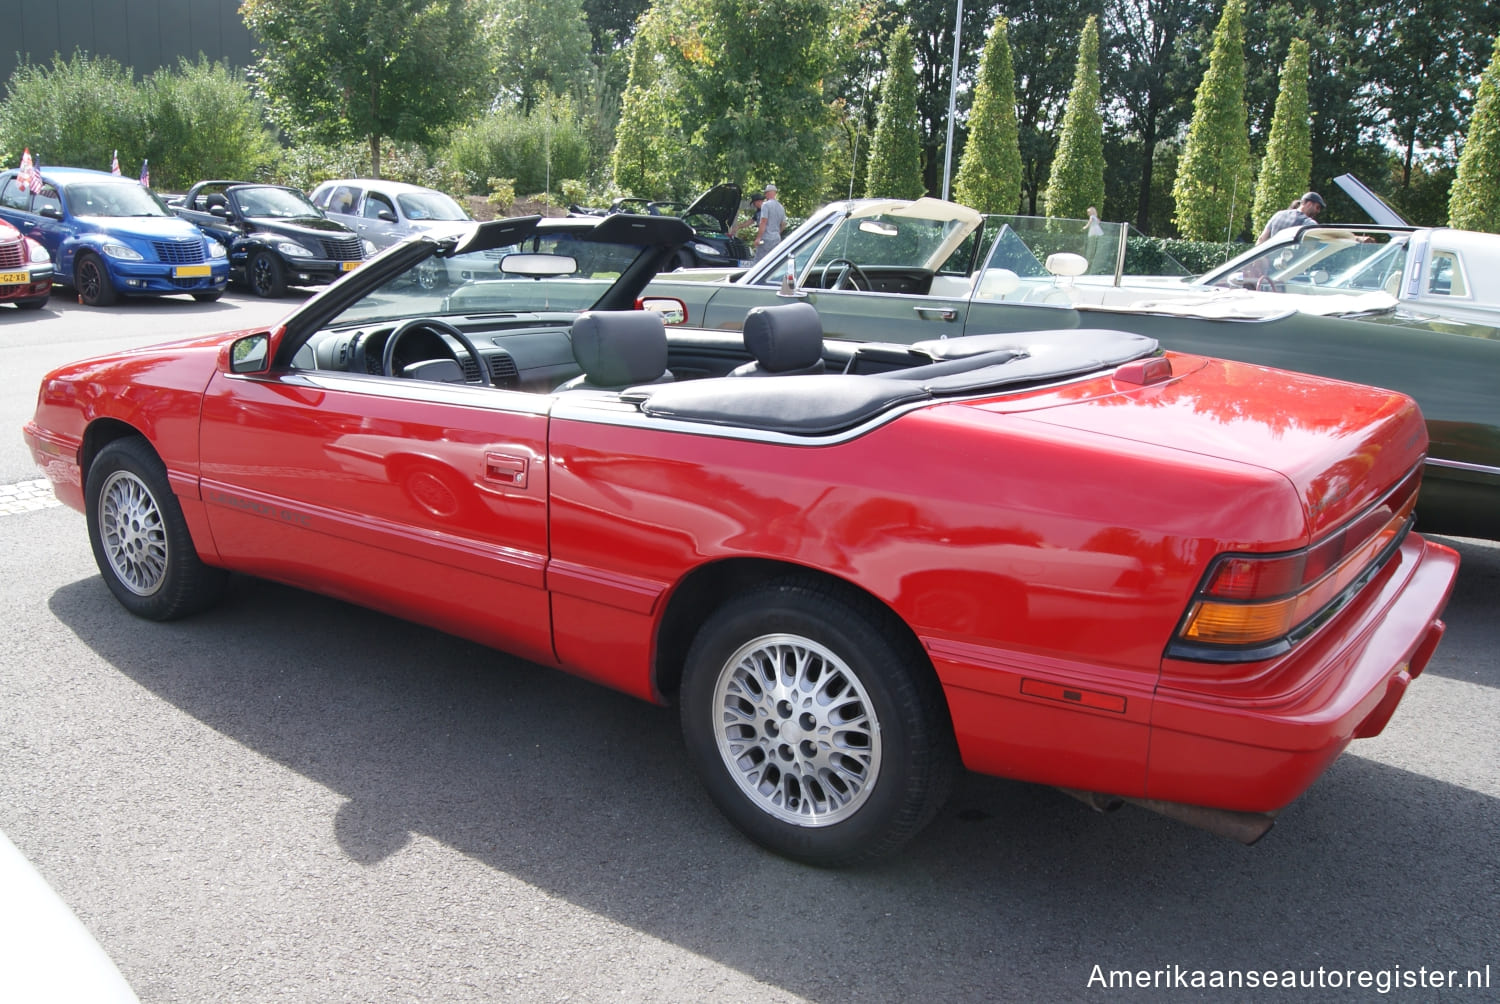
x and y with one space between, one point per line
784 337
620 348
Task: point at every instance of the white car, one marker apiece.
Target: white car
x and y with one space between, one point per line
384 212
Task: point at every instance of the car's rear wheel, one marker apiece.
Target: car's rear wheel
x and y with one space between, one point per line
140 538
816 724
91 279
267 275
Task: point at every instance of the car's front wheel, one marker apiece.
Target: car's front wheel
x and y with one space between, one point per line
140 538
816 724
91 279
267 275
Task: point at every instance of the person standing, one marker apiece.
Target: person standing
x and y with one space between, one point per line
1300 213
772 222
753 220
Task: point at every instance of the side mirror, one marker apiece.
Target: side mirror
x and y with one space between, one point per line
671 309
51 212
387 216
251 354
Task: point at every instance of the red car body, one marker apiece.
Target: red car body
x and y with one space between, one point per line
25 269
1047 546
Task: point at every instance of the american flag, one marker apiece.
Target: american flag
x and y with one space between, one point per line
114 164
28 176
145 173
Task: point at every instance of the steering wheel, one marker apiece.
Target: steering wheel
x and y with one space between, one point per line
388 357
1266 284
850 271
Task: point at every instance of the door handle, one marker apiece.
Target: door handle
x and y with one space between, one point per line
945 313
502 468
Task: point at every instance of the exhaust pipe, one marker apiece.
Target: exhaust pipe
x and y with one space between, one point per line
1244 827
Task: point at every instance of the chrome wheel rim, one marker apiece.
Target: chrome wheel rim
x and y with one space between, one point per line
133 533
796 730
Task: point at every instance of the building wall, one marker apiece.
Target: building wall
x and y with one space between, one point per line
142 35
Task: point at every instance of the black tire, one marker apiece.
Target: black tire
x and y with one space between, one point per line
266 275
140 539
91 280
844 762
208 297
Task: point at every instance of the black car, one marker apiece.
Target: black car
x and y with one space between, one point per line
710 215
276 238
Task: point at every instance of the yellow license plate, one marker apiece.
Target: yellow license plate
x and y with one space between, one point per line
350 266
11 278
191 271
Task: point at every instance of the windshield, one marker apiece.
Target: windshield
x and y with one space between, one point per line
429 206
1098 242
579 273
275 202
897 241
1322 261
94 199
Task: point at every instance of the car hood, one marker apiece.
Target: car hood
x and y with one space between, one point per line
146 227
1371 203
300 225
722 202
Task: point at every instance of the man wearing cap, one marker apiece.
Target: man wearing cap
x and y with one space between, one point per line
753 219
772 222
1302 212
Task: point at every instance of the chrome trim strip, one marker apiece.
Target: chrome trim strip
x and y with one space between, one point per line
1459 465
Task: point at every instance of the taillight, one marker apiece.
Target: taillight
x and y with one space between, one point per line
1255 606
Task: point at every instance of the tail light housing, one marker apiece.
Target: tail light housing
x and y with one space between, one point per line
1257 606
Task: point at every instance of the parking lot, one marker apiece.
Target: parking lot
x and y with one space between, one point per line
292 799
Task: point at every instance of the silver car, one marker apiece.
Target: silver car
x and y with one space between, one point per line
384 212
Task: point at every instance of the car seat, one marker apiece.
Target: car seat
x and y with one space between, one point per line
785 339
619 349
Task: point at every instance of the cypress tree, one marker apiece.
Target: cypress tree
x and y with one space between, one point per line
989 175
1077 180
1287 165
896 153
1212 189
1474 202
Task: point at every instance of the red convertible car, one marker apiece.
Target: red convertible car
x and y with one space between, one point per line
1070 559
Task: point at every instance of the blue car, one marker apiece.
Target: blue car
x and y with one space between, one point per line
110 236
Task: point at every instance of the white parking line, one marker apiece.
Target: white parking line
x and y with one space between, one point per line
26 496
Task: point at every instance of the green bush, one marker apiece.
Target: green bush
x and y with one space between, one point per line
74 113
310 164
1195 256
511 145
204 123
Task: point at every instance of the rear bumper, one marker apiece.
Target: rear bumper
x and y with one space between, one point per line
1258 748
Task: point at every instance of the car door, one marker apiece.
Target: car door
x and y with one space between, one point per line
423 499
341 203
373 227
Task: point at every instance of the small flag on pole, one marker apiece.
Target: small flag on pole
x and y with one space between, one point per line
27 177
145 173
114 164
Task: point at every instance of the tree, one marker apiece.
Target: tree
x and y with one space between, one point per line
1475 200
896 153
341 69
1077 180
1044 63
989 176
1213 181
1147 96
539 48
75 111
1287 165
645 158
